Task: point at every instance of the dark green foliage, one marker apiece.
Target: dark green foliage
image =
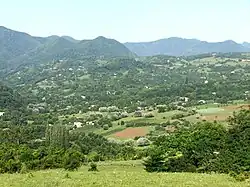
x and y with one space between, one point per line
9 98
235 157
93 167
20 156
72 160
57 136
205 147
155 162
161 109
105 127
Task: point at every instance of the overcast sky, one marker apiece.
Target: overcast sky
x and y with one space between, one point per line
130 20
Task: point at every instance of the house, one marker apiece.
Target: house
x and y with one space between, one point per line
78 124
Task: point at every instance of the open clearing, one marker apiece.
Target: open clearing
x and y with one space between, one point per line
216 113
132 132
117 174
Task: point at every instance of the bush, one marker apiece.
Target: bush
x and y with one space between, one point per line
72 160
155 162
159 128
149 115
161 109
93 167
122 123
177 116
105 127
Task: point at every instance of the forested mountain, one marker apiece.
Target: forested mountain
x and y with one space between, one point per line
183 47
14 44
17 48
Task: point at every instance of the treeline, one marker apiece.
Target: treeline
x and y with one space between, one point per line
205 147
56 147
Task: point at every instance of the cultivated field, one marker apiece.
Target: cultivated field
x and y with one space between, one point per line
213 112
132 132
117 174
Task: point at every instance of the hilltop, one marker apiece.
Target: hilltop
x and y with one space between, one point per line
18 48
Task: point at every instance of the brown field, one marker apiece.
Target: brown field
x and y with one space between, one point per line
132 132
220 117
236 107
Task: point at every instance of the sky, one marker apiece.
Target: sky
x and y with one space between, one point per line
130 20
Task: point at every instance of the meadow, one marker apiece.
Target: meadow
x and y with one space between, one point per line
117 174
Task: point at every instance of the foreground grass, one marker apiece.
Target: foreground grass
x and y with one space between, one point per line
116 174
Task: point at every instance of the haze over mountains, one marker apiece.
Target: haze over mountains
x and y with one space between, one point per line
183 47
17 48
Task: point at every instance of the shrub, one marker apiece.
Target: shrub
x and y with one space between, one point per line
155 162
149 115
161 109
159 128
72 160
105 127
93 167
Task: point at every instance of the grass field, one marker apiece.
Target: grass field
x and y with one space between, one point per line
117 174
213 112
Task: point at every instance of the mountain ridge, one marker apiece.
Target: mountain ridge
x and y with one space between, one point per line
176 46
17 48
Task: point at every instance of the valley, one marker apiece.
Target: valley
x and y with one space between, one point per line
66 105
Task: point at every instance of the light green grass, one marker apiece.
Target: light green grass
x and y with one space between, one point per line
120 174
158 117
211 110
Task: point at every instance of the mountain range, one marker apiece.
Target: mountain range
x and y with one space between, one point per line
18 48
185 47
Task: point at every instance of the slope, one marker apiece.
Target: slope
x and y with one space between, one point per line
13 43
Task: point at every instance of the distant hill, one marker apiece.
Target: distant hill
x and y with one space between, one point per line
184 47
70 39
13 43
17 48
246 44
